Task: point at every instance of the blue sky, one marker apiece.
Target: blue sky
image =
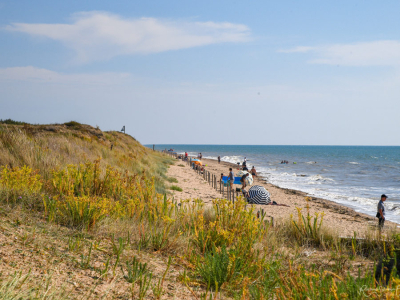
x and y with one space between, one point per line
206 72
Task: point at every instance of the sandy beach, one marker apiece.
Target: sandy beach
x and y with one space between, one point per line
341 219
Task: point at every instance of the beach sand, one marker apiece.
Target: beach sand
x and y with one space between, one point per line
340 219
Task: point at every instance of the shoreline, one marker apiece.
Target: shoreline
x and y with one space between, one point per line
337 217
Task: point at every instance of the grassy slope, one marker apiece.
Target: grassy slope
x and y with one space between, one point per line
51 253
48 147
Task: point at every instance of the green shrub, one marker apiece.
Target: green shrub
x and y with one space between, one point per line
172 180
12 122
135 270
213 271
73 124
307 228
175 188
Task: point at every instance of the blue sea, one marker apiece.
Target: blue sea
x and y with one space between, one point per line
354 176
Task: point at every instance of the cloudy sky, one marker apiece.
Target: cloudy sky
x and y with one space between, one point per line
206 72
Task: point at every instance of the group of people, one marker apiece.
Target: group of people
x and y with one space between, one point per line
231 178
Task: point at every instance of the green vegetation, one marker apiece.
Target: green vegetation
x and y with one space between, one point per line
12 122
73 125
70 203
175 188
172 180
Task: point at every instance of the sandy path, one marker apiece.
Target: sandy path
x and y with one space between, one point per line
193 185
341 219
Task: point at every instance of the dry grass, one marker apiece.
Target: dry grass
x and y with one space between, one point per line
48 147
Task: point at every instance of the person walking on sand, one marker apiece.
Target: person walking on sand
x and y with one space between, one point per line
219 159
381 211
231 177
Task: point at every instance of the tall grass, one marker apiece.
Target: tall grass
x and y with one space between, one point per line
45 148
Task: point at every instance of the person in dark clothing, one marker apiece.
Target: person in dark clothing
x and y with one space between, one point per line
381 211
219 159
243 180
253 171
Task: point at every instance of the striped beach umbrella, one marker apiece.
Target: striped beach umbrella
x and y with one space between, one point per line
259 195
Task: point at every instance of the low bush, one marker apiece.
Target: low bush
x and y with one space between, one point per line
175 188
12 122
20 185
135 270
172 179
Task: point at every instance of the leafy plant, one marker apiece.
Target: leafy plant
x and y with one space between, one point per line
213 271
85 260
308 228
118 249
135 270
172 179
175 188
157 289
144 284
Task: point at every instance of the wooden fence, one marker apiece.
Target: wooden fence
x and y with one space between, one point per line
217 184
212 179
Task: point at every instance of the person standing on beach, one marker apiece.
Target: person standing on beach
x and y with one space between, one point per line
243 180
231 177
219 159
381 211
253 171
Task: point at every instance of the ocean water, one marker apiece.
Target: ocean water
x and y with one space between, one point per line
354 176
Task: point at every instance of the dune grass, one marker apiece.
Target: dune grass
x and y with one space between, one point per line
175 188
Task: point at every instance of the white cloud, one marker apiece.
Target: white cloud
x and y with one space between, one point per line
37 75
376 53
101 35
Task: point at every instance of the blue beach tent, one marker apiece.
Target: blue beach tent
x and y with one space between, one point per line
225 180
